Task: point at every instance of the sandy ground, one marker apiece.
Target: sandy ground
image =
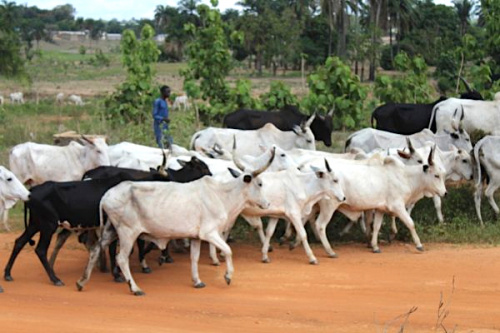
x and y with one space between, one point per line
358 292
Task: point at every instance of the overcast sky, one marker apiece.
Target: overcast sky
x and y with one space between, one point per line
125 9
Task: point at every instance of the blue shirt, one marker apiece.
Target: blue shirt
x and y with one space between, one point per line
160 110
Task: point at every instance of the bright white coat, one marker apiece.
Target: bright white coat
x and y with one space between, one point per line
17 97
249 142
11 190
75 99
35 163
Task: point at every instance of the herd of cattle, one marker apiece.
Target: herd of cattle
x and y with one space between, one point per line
261 164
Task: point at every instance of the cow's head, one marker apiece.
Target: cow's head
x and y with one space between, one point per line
461 166
11 189
195 166
96 152
304 136
411 155
251 184
322 128
330 181
434 176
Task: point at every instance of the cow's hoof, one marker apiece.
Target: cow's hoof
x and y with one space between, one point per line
139 293
58 283
420 248
266 260
314 262
146 270
228 279
270 248
199 285
8 278
119 279
333 255
216 263
1 290
79 286
291 246
376 251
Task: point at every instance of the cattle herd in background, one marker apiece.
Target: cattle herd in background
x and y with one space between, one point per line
261 164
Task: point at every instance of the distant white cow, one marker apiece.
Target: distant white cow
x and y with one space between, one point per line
181 103
77 100
17 97
35 163
200 210
369 139
1 100
487 159
60 98
11 190
251 141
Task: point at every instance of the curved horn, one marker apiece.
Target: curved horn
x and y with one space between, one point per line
430 160
410 145
330 113
466 84
261 170
161 168
87 139
327 166
236 161
310 120
217 149
463 113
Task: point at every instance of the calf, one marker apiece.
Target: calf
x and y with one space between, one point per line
17 97
199 210
181 103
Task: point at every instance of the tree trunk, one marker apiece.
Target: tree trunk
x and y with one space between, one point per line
373 56
341 44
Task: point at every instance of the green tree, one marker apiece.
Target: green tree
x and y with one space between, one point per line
490 13
132 101
11 62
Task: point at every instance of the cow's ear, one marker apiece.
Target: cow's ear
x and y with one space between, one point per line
182 163
234 173
247 178
426 167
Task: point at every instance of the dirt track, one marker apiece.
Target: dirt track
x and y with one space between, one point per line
358 292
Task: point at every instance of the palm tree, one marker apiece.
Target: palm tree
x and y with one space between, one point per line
464 10
161 17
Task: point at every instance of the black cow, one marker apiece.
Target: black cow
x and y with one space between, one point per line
284 120
71 205
408 119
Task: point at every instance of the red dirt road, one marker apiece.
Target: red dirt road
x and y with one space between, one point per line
358 292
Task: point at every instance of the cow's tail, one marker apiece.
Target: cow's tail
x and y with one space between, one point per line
26 210
433 115
193 141
477 166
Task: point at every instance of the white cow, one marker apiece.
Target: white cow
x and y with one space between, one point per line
369 139
487 158
249 142
474 115
60 98
181 103
1 100
17 97
11 190
387 186
200 210
76 99
35 163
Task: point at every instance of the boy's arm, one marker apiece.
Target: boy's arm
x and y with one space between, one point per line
156 111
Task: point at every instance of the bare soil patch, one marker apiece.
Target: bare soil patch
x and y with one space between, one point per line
358 292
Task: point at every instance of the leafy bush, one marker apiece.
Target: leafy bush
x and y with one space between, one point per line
132 101
385 58
99 59
411 86
278 96
334 86
82 50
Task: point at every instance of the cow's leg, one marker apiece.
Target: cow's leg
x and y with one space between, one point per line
437 205
271 227
115 270
165 255
91 240
195 258
256 223
127 239
347 228
215 238
477 201
325 215
62 237
377 223
4 217
394 228
41 251
489 193
141 246
302 236
408 221
108 236
212 253
288 233
20 242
